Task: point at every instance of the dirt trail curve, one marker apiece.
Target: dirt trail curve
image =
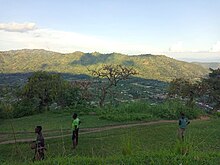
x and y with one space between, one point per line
98 129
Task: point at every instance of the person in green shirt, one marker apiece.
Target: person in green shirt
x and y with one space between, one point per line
75 128
183 122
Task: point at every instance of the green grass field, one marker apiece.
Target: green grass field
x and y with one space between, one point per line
149 144
51 122
58 121
152 144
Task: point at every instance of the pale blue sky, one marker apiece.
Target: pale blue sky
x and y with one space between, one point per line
126 26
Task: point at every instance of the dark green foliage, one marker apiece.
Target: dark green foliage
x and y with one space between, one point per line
41 91
206 91
128 63
6 110
160 158
184 89
26 107
44 87
44 66
171 110
3 114
144 111
70 97
90 59
213 91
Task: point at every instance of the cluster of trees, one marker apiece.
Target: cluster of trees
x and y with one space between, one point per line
206 91
41 91
44 91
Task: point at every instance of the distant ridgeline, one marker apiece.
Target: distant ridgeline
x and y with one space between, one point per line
157 67
213 65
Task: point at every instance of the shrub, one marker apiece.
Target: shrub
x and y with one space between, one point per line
145 111
26 107
171 110
127 112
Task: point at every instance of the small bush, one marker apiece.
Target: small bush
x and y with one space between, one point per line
127 112
217 114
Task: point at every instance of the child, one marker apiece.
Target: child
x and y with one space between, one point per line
39 144
75 128
183 122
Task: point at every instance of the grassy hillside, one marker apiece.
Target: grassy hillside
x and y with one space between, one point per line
149 66
54 120
133 141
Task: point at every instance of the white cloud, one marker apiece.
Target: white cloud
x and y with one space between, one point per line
177 47
66 42
17 27
215 47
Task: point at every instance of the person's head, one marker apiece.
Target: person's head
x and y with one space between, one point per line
38 129
74 116
182 114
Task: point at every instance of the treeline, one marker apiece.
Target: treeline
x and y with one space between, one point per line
206 91
41 91
46 91
49 91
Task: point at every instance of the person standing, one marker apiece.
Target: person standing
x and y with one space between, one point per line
39 143
183 122
75 128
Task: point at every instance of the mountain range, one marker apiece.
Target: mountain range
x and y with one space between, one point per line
159 67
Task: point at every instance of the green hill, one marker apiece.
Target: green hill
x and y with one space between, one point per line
149 66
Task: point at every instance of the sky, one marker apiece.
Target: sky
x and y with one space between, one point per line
182 29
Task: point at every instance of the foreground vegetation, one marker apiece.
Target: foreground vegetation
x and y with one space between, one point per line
53 121
49 91
153 144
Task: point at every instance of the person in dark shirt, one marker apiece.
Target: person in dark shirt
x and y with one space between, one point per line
39 143
183 122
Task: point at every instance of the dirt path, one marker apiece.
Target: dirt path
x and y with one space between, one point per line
98 129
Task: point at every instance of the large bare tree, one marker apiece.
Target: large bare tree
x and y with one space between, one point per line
113 74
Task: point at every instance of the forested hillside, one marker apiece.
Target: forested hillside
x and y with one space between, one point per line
149 66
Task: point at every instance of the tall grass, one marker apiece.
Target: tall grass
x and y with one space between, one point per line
141 158
171 110
155 144
135 111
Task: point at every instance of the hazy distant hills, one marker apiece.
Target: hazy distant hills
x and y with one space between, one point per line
149 66
213 65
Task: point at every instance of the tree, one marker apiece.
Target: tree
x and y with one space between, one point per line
207 90
183 88
213 87
45 88
109 76
84 86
